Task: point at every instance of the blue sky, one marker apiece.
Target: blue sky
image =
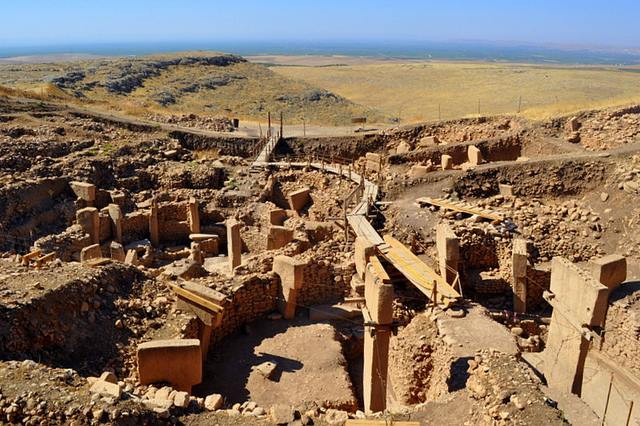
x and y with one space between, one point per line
586 22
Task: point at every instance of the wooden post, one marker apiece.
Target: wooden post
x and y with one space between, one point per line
304 127
281 126
269 131
519 103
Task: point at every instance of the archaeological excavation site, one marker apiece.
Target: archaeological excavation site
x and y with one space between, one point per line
483 270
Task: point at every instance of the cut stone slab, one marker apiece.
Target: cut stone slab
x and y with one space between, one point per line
177 361
610 270
299 199
282 414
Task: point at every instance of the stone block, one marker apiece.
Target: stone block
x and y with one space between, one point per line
115 214
448 247
117 251
193 216
234 243
210 247
299 199
378 296
84 191
90 252
573 125
289 270
277 217
505 190
178 362
474 155
132 258
403 148
363 250
428 141
578 293
610 270
519 261
89 220
107 389
418 171
446 162
376 362
374 161
278 237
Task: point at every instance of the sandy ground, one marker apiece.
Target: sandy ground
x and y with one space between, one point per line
305 375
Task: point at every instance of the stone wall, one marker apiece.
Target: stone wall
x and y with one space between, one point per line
324 283
255 297
507 148
622 327
227 145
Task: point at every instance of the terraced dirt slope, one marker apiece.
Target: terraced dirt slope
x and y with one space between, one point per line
202 82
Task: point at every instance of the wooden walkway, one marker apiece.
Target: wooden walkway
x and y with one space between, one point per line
417 272
461 207
396 253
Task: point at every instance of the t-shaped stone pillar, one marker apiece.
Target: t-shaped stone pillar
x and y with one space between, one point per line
291 273
448 252
579 301
519 260
89 219
234 243
378 316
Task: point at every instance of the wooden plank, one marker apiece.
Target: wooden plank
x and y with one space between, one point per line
194 298
416 271
493 216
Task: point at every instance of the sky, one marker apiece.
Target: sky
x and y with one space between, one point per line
567 22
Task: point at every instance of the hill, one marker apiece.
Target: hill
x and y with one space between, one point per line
200 82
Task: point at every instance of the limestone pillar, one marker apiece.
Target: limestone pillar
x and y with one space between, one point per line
378 315
193 216
448 246
291 276
154 231
115 213
84 191
519 260
89 219
234 243
196 253
117 251
579 302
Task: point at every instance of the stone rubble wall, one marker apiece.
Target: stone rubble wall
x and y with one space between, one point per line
622 330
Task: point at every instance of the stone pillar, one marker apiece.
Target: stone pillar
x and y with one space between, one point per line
290 272
579 302
378 315
90 252
193 216
610 270
363 250
278 237
115 213
474 155
446 162
448 247
117 251
84 191
154 230
89 219
196 253
234 243
519 258
132 258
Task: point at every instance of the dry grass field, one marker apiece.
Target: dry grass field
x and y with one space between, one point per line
423 91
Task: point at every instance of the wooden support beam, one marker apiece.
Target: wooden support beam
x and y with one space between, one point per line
196 299
459 207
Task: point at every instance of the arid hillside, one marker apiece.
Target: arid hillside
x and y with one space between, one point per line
206 83
414 91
